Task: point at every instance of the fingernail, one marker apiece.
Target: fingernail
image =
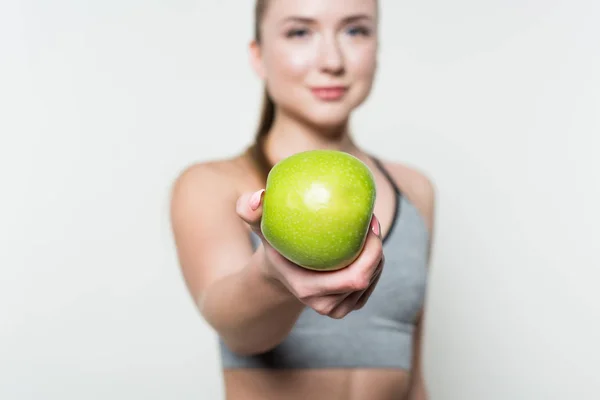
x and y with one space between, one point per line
255 199
375 226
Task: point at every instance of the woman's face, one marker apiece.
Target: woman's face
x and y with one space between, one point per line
318 57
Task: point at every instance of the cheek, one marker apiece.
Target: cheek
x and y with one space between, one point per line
362 61
288 62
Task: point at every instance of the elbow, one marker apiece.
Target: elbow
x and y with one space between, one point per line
243 345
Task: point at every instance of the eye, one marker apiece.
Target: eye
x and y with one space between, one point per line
300 32
359 30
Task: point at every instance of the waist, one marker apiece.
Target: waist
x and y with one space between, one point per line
315 384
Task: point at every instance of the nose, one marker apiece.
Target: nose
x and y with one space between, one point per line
331 57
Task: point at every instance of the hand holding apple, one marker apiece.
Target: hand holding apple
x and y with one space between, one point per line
343 278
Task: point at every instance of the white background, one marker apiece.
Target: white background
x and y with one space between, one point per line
103 103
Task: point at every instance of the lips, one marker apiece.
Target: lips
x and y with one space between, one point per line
329 92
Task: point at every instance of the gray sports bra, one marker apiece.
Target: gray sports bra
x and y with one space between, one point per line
377 336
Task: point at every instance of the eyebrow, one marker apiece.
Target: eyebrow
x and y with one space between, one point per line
308 20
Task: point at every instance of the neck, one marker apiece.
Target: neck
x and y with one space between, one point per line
289 136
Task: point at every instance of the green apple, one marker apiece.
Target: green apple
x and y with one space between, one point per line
317 208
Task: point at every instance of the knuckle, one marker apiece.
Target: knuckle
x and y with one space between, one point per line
324 308
361 282
340 313
320 310
372 254
375 261
376 249
303 293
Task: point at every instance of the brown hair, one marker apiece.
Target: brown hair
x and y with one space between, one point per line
256 150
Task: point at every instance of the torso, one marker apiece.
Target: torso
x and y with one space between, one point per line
322 384
331 383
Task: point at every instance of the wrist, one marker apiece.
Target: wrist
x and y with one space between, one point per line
259 270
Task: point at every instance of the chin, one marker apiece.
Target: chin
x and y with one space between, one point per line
326 115
331 121
328 120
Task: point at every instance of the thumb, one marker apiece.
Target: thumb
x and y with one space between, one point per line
249 209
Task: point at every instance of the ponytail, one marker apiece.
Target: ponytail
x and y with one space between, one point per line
256 150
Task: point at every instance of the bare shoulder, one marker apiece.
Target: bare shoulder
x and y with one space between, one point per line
204 190
417 186
223 178
199 187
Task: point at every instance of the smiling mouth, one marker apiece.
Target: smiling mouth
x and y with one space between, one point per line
329 93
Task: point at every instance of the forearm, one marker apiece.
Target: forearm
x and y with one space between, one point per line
250 313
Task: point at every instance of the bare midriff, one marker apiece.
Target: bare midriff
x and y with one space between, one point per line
322 384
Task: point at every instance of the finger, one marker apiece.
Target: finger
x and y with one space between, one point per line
249 209
357 299
355 277
355 296
325 305
346 305
375 225
311 284
364 298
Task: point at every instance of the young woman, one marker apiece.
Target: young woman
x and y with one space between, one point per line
286 332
